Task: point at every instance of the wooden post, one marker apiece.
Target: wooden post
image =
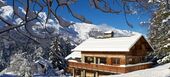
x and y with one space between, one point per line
124 60
109 61
98 61
96 74
83 73
74 72
82 58
94 60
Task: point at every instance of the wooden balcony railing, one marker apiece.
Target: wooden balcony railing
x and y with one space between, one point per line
96 67
107 68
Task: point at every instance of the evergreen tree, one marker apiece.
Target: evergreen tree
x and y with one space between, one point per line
159 34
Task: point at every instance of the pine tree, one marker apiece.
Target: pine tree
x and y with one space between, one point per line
159 34
59 50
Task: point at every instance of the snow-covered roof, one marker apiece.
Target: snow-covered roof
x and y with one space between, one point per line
110 31
74 55
118 44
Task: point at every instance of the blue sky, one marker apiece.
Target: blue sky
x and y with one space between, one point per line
97 17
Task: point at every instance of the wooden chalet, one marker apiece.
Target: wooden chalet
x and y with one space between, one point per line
109 55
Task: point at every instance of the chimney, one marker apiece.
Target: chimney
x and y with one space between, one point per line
112 34
108 34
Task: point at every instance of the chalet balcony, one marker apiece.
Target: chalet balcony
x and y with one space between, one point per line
108 68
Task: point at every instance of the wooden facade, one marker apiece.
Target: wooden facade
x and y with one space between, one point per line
112 62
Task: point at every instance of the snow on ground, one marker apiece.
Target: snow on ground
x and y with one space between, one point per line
165 20
159 71
167 45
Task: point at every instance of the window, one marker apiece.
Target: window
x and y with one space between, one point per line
101 60
134 59
115 60
131 61
89 60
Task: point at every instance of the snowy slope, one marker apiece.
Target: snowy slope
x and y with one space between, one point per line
81 30
159 71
